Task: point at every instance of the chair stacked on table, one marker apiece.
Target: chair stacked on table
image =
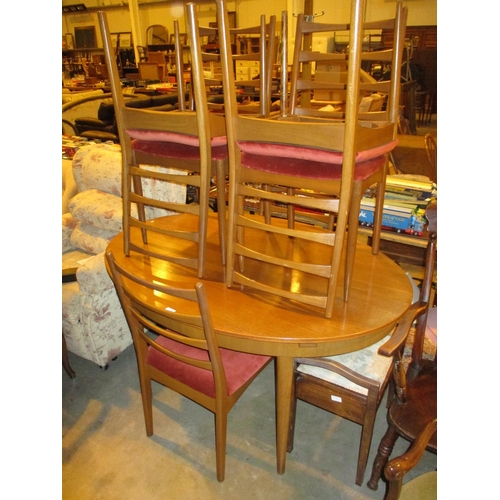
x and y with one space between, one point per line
191 144
334 158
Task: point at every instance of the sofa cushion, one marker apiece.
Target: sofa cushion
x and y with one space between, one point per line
90 238
97 208
99 167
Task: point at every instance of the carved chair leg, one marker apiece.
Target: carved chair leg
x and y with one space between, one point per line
383 454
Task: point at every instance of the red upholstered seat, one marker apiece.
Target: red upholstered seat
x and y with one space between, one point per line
239 367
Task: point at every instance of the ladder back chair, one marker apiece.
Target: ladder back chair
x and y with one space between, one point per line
431 150
352 385
176 346
415 404
319 156
182 148
319 89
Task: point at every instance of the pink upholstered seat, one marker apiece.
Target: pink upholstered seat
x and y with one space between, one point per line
238 366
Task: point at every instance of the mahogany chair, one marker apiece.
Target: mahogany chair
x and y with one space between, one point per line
180 147
421 487
415 404
321 156
352 385
431 150
177 347
318 88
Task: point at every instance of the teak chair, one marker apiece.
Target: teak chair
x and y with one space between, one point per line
352 385
185 142
421 487
319 81
415 404
185 355
319 156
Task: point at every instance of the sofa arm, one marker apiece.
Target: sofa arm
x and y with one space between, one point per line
93 277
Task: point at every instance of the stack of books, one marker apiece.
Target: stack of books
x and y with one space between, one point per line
406 200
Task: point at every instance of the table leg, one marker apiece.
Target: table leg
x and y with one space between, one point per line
284 385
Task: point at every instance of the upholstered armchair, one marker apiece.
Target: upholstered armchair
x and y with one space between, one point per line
93 322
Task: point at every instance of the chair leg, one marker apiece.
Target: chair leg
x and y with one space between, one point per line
365 443
352 236
147 403
220 444
383 454
379 211
221 206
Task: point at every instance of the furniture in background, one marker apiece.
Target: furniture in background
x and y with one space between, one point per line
103 125
185 354
261 323
93 323
186 142
431 150
415 404
351 385
420 487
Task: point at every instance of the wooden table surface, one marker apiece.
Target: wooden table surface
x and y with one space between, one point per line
252 321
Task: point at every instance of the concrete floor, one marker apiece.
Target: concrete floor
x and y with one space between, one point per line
107 455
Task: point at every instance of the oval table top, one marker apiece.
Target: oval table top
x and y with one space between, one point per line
253 321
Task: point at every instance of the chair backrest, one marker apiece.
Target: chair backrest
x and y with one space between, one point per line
426 286
431 150
319 78
157 130
181 315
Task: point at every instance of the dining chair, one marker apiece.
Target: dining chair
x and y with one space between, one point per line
431 151
415 404
319 88
319 156
352 385
180 147
176 346
421 487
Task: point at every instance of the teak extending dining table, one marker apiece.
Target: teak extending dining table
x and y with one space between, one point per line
252 321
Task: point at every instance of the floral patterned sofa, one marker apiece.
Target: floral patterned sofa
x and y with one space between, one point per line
93 322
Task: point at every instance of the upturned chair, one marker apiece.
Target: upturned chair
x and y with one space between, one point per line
189 145
322 156
319 88
415 404
352 385
420 487
177 347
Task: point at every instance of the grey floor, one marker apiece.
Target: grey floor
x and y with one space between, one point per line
107 455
